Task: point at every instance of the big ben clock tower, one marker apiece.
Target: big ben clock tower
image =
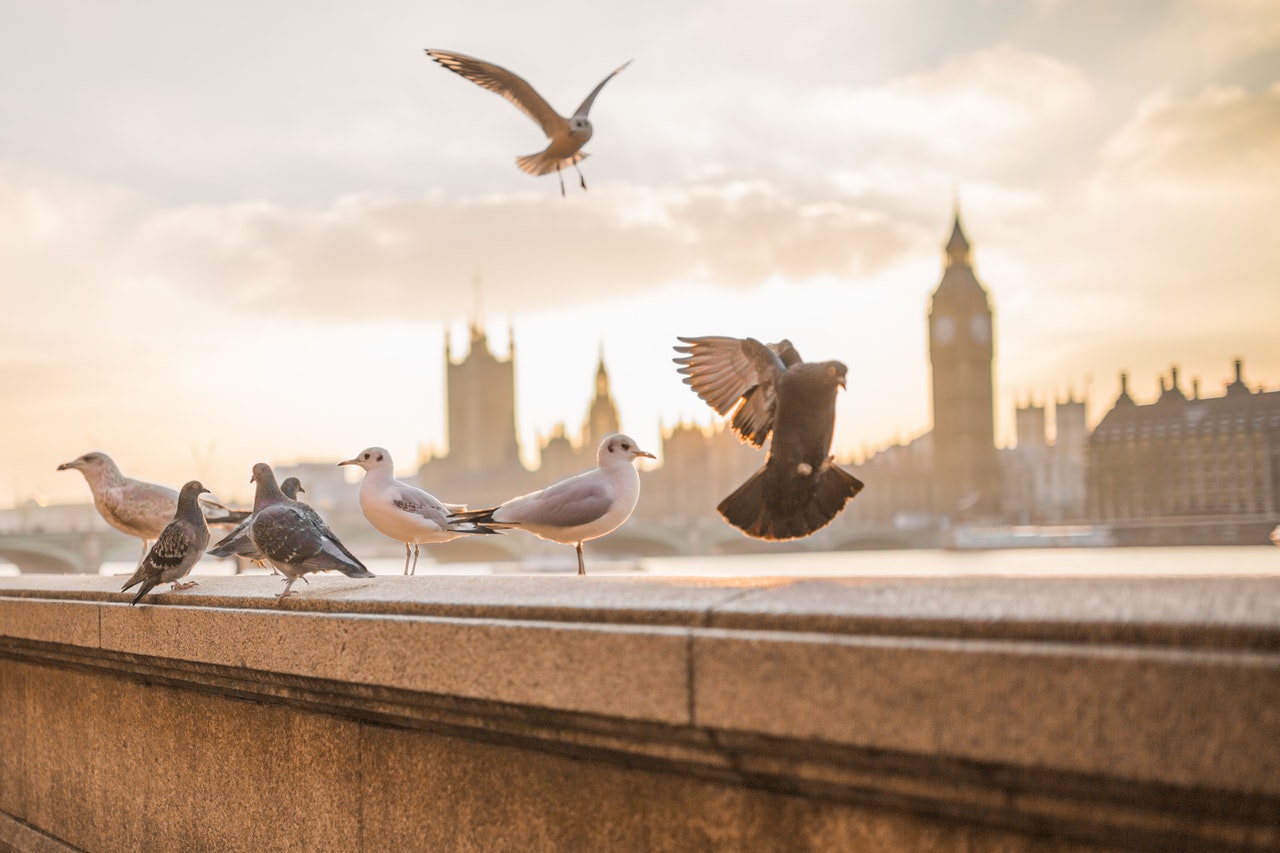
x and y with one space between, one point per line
966 474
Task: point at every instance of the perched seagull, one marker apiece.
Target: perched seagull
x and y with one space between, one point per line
238 544
586 506
800 488
293 537
567 135
180 546
403 512
135 507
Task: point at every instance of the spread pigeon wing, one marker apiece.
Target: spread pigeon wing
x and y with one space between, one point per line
509 85
737 372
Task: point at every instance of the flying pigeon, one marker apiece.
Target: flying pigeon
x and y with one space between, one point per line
238 544
800 489
403 512
178 548
293 537
567 135
135 507
583 507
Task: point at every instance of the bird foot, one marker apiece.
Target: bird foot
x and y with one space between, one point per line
177 585
285 594
804 469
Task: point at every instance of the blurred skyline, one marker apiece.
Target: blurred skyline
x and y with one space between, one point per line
239 232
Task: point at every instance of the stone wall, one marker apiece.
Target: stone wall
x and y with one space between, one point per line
609 713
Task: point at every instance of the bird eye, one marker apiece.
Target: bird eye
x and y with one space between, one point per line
379 457
626 446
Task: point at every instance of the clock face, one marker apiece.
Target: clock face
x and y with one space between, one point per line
944 329
980 327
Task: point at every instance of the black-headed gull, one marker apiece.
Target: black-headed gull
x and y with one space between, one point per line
567 135
583 507
800 489
403 512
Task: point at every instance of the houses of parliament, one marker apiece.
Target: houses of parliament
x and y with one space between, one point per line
1178 469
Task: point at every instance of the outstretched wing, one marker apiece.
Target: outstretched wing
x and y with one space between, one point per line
509 85
585 106
727 372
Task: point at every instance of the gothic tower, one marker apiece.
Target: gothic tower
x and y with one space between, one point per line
602 417
966 474
481 399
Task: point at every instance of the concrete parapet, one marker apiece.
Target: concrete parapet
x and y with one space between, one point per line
632 713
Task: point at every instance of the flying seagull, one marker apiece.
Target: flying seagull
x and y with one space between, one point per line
583 507
770 388
178 549
238 544
403 512
136 507
293 537
567 135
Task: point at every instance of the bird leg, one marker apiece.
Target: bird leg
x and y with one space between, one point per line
581 179
288 583
560 175
406 558
146 546
177 585
582 568
414 571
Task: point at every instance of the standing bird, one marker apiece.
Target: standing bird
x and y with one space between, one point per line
238 544
800 489
586 506
136 507
179 547
403 512
567 135
293 537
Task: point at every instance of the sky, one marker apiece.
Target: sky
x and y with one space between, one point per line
239 231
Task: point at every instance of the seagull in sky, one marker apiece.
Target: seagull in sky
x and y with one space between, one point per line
770 388
178 549
136 507
293 537
583 507
404 512
567 135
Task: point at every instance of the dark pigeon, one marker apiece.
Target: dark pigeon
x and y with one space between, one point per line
178 547
770 389
238 544
293 537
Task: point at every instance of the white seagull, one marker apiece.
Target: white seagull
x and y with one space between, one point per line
583 507
135 507
403 512
567 135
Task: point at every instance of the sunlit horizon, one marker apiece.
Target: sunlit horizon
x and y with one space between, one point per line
214 256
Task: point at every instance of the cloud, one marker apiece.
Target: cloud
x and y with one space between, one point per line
1223 139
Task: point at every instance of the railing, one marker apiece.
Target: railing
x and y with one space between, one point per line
608 713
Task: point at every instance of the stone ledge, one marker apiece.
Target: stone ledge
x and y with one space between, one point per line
1139 713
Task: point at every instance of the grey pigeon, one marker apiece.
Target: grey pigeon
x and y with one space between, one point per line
136 507
567 135
800 489
403 512
178 548
238 544
293 537
580 508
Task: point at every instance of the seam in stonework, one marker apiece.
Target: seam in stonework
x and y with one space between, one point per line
690 674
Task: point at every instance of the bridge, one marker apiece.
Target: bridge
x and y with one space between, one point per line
67 552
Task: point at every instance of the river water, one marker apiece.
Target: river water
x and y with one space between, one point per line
1183 561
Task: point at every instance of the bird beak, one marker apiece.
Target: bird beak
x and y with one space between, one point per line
348 462
65 465
646 454
842 384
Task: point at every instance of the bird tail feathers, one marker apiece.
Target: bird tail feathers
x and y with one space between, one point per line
777 508
543 163
478 521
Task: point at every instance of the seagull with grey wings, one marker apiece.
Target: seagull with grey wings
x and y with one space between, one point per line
293 537
403 512
770 389
238 544
136 507
566 135
583 507
177 549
